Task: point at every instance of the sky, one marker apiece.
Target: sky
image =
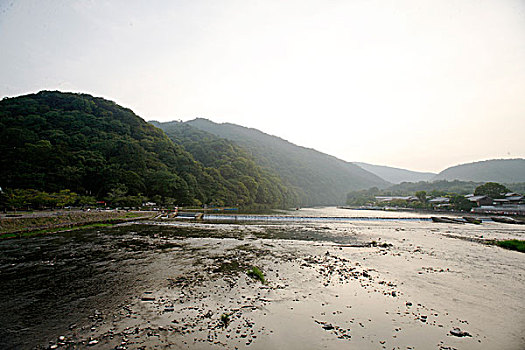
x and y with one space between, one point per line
421 85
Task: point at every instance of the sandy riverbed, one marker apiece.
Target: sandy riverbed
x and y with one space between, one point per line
325 288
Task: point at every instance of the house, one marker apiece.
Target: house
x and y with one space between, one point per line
516 199
439 200
480 200
512 199
394 198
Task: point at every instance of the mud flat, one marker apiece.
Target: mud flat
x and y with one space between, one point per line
363 285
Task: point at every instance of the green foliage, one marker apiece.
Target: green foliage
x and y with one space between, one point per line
54 140
92 147
513 244
419 189
242 181
34 199
460 203
257 274
422 196
225 319
491 189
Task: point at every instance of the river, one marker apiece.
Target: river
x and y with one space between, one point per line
369 278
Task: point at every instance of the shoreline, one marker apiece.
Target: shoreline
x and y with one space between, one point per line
64 220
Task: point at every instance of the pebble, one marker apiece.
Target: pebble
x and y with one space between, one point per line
459 333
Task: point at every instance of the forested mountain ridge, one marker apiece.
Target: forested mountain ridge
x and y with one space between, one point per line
396 175
319 179
231 161
54 140
495 170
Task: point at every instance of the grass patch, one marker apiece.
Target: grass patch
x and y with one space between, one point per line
51 230
512 244
225 319
257 274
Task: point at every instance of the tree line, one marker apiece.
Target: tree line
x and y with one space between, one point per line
455 191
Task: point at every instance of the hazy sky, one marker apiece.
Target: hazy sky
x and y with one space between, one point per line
416 84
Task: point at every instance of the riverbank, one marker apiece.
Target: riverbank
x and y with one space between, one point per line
28 224
180 284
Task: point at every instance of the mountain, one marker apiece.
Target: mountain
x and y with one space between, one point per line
396 175
53 141
317 178
232 162
496 170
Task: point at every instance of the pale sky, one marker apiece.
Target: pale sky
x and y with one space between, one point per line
421 85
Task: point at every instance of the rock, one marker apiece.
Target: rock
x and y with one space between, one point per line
409 303
459 333
147 299
93 342
328 326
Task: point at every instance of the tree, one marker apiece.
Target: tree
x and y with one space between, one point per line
460 203
422 196
492 190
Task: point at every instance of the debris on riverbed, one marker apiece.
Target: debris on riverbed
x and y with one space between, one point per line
198 286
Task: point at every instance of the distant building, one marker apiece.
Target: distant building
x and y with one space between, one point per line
481 200
439 200
512 199
394 198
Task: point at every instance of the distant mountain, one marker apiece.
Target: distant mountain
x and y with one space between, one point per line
319 179
396 175
496 170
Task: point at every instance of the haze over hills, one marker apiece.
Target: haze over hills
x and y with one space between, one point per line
496 170
53 141
396 175
320 179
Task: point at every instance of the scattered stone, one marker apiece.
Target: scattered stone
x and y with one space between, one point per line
328 326
459 333
93 342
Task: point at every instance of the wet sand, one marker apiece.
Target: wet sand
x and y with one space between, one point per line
422 285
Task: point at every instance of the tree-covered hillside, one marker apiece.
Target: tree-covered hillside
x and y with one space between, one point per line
232 162
496 170
318 178
53 141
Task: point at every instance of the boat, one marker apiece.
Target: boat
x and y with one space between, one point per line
447 220
507 220
472 220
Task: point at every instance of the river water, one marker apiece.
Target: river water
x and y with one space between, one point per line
59 284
